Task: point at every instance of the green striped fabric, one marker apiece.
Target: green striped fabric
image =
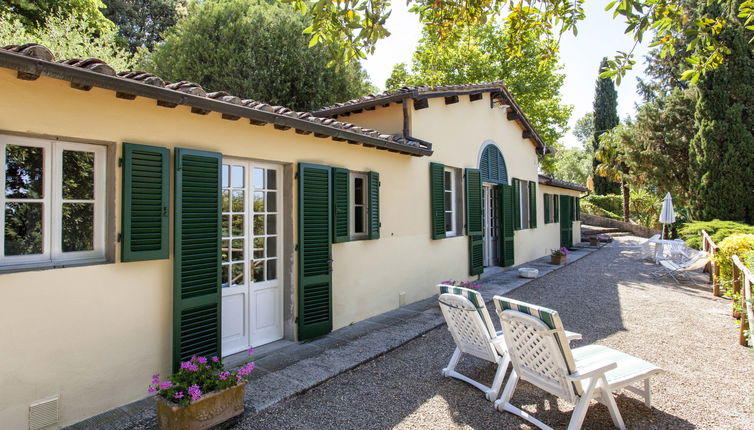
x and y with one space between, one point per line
476 299
550 318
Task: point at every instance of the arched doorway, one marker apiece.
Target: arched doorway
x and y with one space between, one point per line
497 196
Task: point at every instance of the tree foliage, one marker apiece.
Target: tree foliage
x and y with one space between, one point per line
584 130
142 22
353 27
605 119
573 165
34 14
479 54
68 37
610 164
254 49
721 156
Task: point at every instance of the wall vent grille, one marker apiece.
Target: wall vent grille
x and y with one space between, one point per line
43 413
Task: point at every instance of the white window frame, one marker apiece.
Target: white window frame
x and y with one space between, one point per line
453 210
352 206
52 204
523 204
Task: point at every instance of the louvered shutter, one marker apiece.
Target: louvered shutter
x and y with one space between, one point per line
516 204
507 207
145 211
566 224
556 209
547 208
374 205
340 208
437 199
532 204
474 221
196 276
314 251
577 208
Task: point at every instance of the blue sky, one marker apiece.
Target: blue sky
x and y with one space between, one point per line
599 36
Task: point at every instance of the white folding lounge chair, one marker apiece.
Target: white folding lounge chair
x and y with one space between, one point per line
646 250
471 327
541 355
694 260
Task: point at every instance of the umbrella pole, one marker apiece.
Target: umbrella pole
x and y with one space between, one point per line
663 232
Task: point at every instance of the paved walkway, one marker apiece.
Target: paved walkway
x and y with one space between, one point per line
612 299
296 368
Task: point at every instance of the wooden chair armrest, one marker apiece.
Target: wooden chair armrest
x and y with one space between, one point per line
596 369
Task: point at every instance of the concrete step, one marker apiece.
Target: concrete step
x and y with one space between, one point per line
593 229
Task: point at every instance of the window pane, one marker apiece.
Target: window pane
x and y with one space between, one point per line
225 251
78 227
236 274
258 201
226 201
358 191
272 246
258 271
448 181
448 221
271 269
236 176
448 201
258 247
226 225
272 224
78 175
226 176
23 228
272 179
237 201
258 224
237 225
258 178
358 220
225 278
23 172
272 202
237 250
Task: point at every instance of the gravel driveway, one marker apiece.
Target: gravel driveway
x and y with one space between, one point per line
608 296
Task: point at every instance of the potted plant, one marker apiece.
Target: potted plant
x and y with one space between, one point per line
469 284
558 256
202 394
594 240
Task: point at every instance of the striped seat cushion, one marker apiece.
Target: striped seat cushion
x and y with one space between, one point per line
476 299
551 319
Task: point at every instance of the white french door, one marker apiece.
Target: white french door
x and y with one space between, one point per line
491 224
252 302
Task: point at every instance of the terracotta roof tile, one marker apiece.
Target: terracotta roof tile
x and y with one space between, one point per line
551 181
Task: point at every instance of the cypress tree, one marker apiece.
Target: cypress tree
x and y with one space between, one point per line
721 154
605 119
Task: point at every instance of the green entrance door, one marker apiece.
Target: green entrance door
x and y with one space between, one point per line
566 222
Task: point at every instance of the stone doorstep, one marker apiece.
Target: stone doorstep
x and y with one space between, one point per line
294 368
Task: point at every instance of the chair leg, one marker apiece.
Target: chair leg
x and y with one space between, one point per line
497 383
609 401
648 394
579 412
510 387
452 363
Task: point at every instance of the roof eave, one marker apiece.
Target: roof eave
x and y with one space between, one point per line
78 75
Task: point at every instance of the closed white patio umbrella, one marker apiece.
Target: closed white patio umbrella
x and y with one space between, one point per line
667 215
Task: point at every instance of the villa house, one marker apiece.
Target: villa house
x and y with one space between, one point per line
145 221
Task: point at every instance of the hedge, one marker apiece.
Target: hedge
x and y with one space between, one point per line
717 229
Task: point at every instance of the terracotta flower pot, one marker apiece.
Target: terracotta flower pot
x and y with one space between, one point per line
593 241
209 411
558 259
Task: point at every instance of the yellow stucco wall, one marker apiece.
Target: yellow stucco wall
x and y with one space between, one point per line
385 119
95 334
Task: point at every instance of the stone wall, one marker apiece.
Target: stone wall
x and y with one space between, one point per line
638 230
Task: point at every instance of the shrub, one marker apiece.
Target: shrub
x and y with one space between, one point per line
717 229
748 260
645 208
609 202
736 244
589 208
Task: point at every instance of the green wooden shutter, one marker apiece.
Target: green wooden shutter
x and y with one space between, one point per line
516 204
547 208
340 209
145 209
566 224
474 221
196 276
374 205
532 204
556 209
577 208
507 218
314 251
437 199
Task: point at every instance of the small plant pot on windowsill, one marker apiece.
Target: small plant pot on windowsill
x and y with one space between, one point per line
209 411
558 259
